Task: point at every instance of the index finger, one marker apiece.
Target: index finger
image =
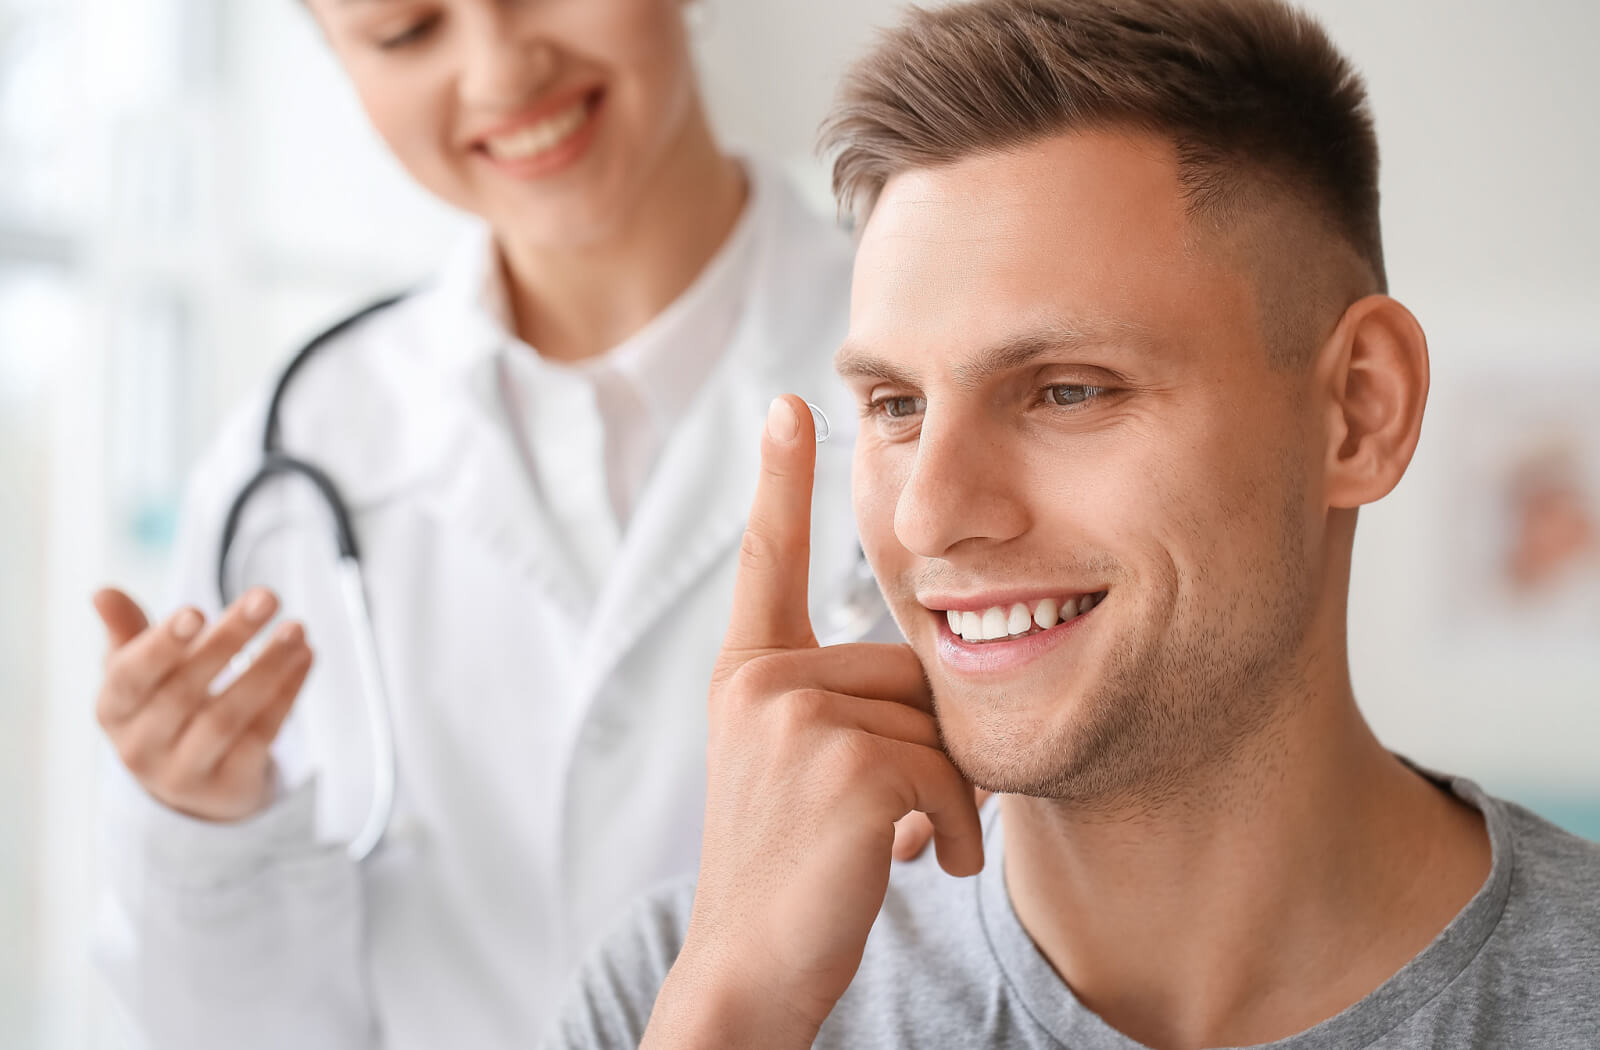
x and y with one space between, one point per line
769 594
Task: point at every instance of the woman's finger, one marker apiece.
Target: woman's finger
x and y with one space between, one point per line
217 647
140 666
216 725
123 619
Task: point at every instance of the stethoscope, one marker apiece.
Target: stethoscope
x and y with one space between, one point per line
860 607
275 463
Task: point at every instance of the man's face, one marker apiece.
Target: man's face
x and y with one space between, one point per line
1067 395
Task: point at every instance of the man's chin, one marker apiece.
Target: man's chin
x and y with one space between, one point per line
1002 743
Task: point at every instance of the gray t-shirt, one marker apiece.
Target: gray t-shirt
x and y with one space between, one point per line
949 965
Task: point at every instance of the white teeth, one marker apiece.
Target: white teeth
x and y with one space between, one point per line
541 137
1012 621
1019 620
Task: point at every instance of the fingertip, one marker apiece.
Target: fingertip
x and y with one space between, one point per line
120 614
783 422
959 859
258 604
186 623
904 848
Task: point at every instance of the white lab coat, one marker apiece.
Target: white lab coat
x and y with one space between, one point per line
550 744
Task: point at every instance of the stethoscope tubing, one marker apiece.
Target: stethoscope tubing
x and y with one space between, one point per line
275 463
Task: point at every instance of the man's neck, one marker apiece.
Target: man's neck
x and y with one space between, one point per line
572 302
1280 889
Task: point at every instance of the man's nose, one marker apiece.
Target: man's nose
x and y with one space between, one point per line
960 491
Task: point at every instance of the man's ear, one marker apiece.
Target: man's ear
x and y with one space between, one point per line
1375 370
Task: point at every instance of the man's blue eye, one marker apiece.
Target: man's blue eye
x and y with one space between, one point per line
900 407
1066 395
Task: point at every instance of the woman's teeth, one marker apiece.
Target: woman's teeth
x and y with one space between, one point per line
541 137
1015 621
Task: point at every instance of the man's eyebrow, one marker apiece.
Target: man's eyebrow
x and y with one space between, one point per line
854 361
857 362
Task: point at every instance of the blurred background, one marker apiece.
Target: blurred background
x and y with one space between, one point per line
188 190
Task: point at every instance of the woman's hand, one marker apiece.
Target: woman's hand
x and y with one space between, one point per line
207 756
813 755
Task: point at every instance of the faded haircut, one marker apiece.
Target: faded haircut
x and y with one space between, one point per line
1259 103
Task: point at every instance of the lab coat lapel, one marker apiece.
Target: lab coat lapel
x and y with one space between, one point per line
484 491
691 513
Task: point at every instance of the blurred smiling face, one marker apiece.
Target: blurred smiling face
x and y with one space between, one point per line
1090 499
547 118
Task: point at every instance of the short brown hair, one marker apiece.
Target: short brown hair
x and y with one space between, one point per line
1252 92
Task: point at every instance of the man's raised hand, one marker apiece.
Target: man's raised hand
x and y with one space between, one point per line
813 755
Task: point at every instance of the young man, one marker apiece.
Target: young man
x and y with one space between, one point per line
1128 369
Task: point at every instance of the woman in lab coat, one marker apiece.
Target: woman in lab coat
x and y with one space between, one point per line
548 450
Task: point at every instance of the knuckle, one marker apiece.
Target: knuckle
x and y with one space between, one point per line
105 707
853 757
758 677
756 550
764 552
137 756
119 674
179 780
192 679
805 709
219 720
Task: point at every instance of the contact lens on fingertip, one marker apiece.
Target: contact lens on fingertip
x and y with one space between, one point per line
820 420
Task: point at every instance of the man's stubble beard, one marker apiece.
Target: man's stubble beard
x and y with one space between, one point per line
1164 711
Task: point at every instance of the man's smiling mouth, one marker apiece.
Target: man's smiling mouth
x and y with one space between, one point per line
1002 623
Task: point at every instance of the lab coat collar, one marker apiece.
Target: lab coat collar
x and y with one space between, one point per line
468 313
694 505
473 318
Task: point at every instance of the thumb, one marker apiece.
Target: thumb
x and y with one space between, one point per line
122 616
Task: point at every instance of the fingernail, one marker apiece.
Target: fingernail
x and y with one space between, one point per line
289 632
782 423
258 605
819 420
186 625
